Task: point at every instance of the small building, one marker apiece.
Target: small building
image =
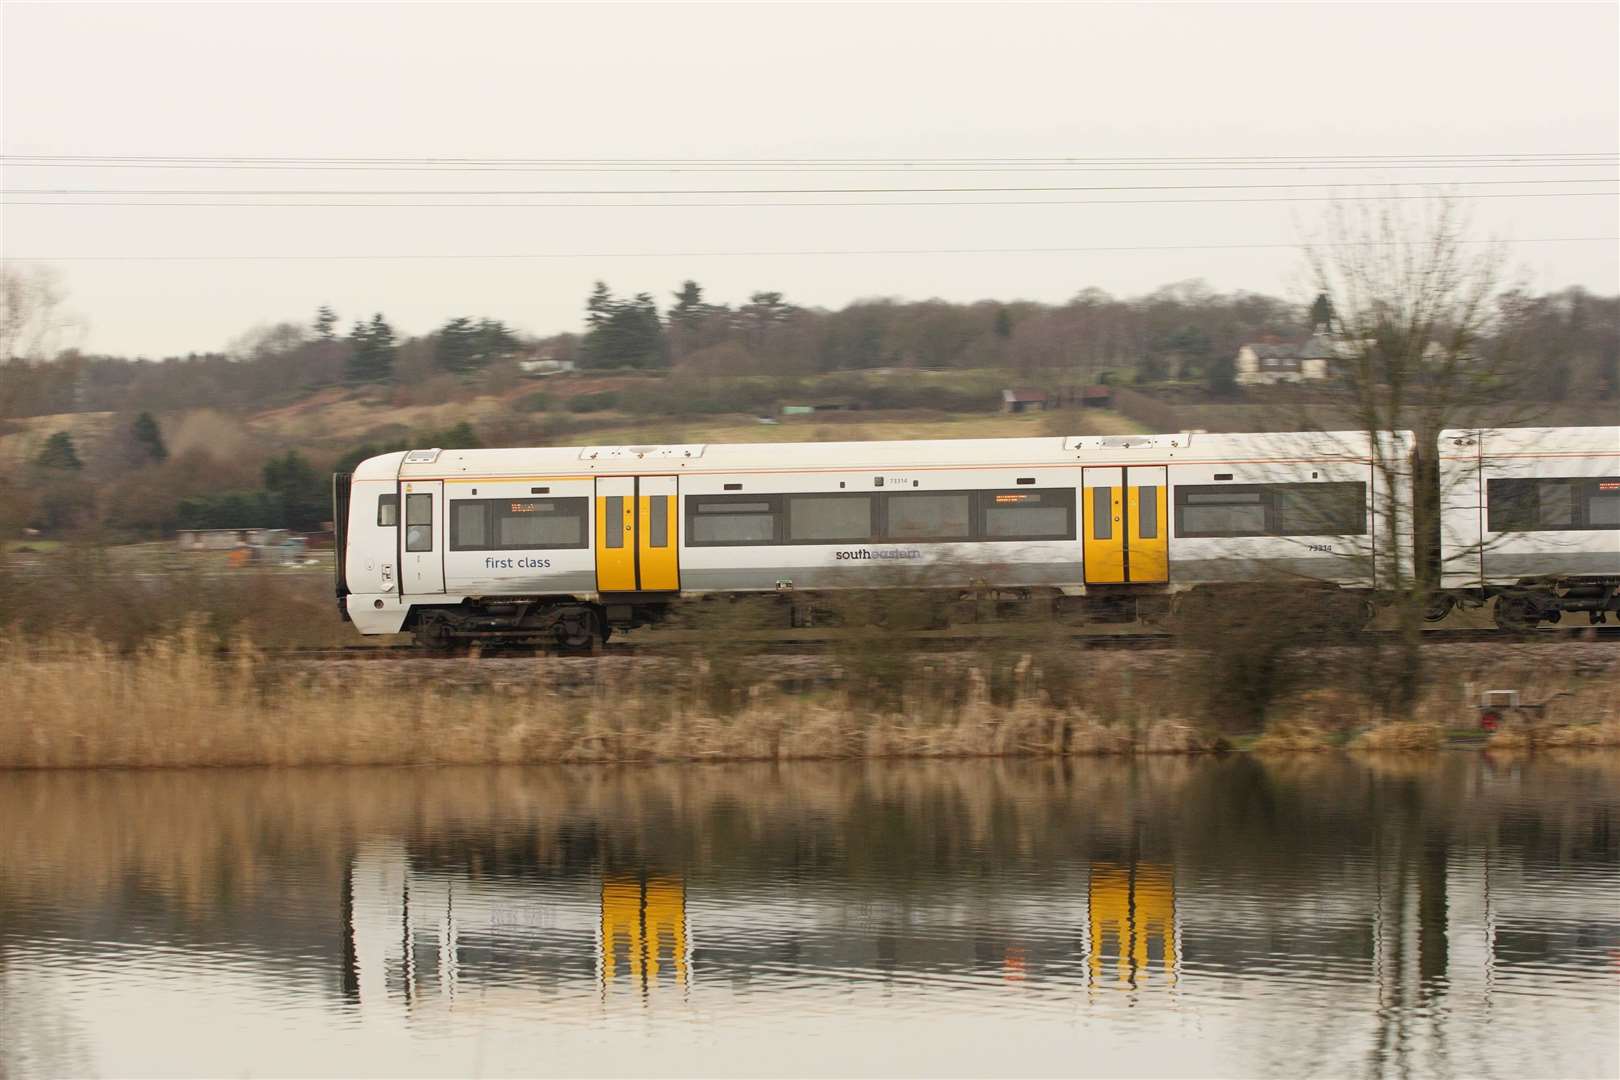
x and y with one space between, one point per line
1023 400
1269 363
257 545
1096 397
538 368
820 407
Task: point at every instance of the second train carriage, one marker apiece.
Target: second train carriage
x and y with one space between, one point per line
568 544
1530 518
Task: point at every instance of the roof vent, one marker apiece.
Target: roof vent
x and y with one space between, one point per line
1127 442
423 457
642 453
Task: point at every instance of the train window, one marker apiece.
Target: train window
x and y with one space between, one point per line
419 523
469 524
1603 505
538 523
388 511
1331 509
829 518
1220 511
721 520
1549 504
658 521
1102 513
1028 515
517 524
613 522
1147 511
942 516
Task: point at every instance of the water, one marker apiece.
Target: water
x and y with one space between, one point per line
1176 917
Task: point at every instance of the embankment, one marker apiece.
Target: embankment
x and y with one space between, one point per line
175 702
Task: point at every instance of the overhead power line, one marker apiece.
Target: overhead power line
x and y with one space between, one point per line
1262 162
768 205
950 190
765 253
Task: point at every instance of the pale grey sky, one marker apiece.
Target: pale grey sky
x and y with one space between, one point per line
676 81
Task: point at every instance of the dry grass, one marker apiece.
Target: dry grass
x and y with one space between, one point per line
1404 735
174 702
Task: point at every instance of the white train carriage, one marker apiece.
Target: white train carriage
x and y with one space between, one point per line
1531 518
568 543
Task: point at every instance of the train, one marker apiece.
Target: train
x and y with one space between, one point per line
567 546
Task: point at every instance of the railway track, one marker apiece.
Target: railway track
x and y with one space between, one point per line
809 644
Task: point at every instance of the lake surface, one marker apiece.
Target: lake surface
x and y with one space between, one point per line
1320 916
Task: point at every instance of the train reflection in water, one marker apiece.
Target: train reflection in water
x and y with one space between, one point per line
1411 927
1294 917
411 931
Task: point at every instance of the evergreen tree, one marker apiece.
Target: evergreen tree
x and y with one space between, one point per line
623 333
325 323
149 437
1003 327
297 491
689 307
599 306
59 453
371 352
456 346
464 345
1322 313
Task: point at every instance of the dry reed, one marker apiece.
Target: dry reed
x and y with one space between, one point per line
67 703
175 702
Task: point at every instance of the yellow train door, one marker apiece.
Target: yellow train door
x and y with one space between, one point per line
1147 534
1102 512
656 534
636 530
1123 518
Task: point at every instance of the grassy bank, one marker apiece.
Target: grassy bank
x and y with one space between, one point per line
175 702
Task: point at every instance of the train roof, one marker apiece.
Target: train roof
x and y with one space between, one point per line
430 463
1599 441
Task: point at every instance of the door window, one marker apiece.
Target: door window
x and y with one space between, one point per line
658 522
419 523
1147 511
1102 513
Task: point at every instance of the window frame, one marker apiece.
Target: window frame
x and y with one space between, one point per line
694 507
1269 505
875 515
391 502
1582 491
979 500
415 499
581 503
1066 500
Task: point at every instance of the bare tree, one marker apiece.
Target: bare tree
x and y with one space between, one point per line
33 322
1413 301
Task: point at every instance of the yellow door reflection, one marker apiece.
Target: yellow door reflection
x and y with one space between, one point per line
644 926
1133 919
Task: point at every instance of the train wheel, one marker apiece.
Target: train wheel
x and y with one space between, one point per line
577 630
1438 607
433 635
1515 614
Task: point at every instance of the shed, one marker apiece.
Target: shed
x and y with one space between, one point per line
1023 400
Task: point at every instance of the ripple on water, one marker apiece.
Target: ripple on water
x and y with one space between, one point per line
1222 918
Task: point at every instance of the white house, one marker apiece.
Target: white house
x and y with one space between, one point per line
1310 360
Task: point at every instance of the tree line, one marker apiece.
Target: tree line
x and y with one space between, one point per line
1184 332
